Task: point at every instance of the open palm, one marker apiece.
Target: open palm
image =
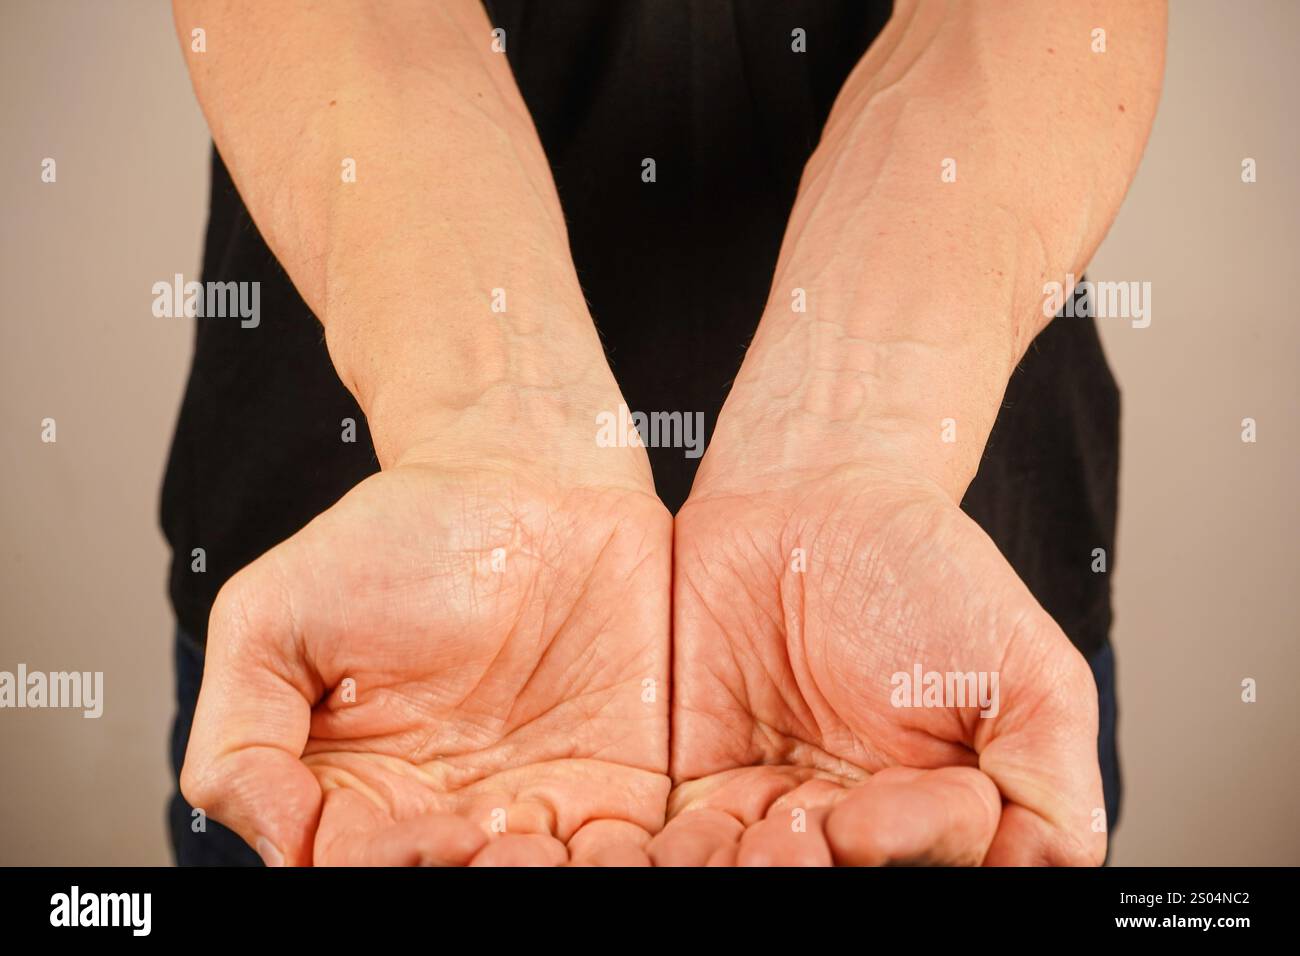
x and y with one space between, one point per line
793 610
445 668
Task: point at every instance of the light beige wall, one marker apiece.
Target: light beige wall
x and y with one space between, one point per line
101 88
1206 581
1207 556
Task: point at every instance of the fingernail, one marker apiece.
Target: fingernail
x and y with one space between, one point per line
270 855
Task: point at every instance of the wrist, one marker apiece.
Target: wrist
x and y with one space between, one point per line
547 432
906 410
550 437
517 387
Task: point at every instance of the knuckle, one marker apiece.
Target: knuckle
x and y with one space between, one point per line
232 611
248 605
198 784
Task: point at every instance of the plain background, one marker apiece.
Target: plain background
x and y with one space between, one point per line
1205 575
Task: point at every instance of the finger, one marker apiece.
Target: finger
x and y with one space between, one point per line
691 838
814 794
1042 754
251 723
522 849
724 855
943 817
786 839
355 832
609 843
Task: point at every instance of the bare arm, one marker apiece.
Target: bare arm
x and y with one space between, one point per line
499 542
452 199
922 294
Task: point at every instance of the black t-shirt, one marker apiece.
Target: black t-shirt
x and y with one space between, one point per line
677 276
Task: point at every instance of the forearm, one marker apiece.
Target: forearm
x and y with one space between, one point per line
452 200
922 294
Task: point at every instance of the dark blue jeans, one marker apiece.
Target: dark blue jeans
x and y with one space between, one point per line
217 846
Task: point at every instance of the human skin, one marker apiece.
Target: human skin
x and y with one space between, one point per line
822 548
541 690
377 692
465 660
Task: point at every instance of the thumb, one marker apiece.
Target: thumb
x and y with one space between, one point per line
243 766
1042 754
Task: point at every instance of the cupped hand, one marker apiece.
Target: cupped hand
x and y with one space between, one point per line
449 666
796 611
